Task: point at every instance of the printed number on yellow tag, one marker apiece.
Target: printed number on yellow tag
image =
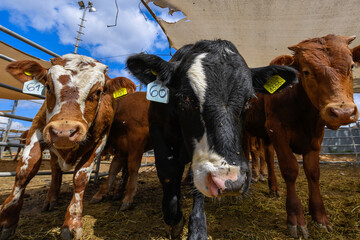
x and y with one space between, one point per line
274 83
119 93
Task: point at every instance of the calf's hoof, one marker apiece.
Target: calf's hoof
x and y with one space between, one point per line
254 180
117 196
274 193
293 231
125 206
67 234
48 206
326 228
176 230
95 200
6 233
262 178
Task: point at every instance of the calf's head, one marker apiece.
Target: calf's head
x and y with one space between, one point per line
74 88
325 71
209 84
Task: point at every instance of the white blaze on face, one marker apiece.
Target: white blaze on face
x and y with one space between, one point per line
197 79
85 78
36 137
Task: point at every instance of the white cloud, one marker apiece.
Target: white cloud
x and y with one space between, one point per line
132 34
30 105
14 125
125 73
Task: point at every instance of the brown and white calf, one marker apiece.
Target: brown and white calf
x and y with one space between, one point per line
73 123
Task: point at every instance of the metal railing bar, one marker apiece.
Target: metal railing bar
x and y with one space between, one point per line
25 40
15 116
6 144
344 145
9 59
340 137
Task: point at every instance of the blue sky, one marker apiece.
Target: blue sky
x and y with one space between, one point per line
54 25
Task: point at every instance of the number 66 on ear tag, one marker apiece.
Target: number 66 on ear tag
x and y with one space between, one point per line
34 87
157 92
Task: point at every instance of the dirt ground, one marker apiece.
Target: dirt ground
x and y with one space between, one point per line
257 216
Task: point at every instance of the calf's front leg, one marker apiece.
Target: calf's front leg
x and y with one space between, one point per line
27 168
197 221
55 185
136 150
289 170
116 165
316 205
73 217
274 189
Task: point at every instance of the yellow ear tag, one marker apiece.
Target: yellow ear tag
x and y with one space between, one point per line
153 72
27 73
274 83
75 148
119 93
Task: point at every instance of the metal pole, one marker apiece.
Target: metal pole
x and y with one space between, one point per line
79 32
31 43
353 143
5 136
9 59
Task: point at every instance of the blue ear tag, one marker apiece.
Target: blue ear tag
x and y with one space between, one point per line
157 92
34 87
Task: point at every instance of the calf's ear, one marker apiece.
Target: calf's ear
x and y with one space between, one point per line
262 74
148 68
114 84
27 70
283 60
356 54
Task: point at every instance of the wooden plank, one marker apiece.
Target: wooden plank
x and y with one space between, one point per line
356 85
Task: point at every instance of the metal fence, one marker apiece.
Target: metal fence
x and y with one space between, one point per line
344 141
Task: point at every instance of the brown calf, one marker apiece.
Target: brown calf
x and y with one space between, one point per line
73 123
254 147
293 120
129 139
21 141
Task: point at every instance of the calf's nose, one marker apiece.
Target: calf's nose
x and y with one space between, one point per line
65 132
225 184
344 114
341 113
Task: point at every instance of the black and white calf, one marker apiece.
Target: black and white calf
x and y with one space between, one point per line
209 83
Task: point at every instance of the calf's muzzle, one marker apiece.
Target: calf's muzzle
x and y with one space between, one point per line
231 182
337 114
64 134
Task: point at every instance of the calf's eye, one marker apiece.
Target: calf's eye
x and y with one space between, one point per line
306 73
